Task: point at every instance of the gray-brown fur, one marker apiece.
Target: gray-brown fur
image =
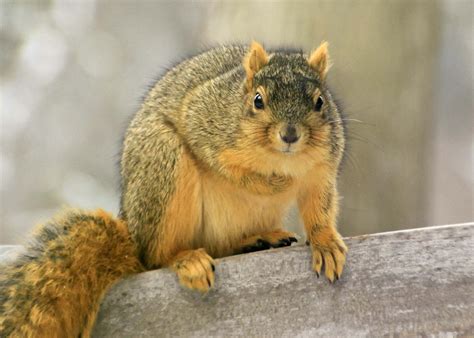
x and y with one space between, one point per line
199 104
149 162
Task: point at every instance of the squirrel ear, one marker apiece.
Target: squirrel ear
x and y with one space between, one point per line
319 60
255 59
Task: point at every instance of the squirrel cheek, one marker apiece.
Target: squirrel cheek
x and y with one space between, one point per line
272 137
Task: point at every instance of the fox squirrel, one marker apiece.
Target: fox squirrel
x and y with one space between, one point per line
221 146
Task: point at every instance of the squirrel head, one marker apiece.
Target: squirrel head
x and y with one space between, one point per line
288 107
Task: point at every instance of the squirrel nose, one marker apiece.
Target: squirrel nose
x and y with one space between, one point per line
290 135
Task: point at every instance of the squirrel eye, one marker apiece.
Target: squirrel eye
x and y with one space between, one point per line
319 104
258 101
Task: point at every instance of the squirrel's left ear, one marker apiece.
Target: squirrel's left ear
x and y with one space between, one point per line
319 60
255 59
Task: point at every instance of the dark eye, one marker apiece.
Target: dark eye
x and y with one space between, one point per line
319 104
258 101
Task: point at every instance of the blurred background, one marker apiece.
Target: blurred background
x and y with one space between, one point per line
73 72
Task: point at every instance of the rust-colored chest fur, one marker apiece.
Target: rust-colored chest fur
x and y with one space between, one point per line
231 213
216 212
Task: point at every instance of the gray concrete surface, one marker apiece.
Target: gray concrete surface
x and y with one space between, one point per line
416 282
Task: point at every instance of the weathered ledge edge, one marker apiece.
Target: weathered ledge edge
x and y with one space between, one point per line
410 282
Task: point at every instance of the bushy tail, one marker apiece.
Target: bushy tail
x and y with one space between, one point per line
54 288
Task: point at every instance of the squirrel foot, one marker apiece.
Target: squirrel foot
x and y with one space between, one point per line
330 250
195 269
267 240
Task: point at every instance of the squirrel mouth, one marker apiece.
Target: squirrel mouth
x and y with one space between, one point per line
288 150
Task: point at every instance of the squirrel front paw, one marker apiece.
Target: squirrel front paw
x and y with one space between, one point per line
195 269
267 240
330 251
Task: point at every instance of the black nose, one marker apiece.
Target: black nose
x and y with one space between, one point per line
290 135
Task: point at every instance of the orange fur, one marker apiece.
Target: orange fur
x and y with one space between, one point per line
77 257
183 214
188 226
232 213
256 58
195 269
261 157
318 204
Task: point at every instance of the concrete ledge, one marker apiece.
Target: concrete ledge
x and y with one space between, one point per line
416 282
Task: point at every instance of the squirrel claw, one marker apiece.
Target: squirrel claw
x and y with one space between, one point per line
332 255
259 245
275 239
